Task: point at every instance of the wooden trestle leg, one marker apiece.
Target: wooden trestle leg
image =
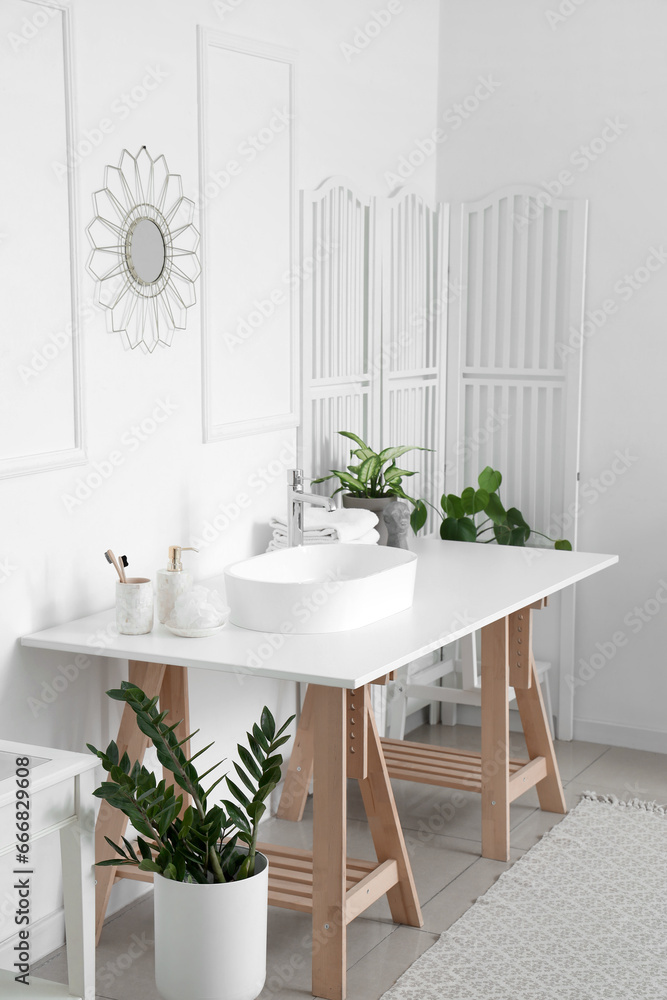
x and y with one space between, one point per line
347 743
300 768
507 662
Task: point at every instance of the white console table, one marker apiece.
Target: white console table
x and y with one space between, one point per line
460 588
61 786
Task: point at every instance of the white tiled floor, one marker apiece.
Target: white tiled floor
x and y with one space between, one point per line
442 830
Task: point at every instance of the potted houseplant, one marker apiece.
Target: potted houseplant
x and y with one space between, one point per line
460 521
210 882
372 480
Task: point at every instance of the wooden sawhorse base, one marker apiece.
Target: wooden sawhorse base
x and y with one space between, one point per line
507 661
343 743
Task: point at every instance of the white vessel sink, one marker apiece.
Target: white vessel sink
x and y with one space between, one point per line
320 588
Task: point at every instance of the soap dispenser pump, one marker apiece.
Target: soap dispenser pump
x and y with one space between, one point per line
172 581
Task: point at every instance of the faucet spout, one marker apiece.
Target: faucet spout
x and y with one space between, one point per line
296 500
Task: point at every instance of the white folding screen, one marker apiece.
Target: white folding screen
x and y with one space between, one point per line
460 334
373 317
514 352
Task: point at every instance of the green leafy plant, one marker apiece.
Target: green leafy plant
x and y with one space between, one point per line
460 516
373 474
202 844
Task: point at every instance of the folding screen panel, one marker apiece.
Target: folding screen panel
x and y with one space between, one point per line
339 323
515 364
412 239
373 297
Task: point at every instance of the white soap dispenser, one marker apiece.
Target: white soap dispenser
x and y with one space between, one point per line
172 581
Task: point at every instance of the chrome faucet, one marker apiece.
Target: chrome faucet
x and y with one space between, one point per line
296 500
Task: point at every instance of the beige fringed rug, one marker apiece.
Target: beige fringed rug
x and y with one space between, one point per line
581 916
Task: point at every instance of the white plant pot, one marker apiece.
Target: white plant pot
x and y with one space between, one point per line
210 940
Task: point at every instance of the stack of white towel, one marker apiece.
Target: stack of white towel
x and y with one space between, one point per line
323 527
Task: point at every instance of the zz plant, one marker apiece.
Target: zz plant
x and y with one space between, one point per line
373 474
460 522
202 844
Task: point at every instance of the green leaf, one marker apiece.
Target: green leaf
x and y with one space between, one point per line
260 737
117 849
388 454
515 518
268 724
502 533
369 469
350 481
495 510
418 516
489 479
458 529
353 437
149 866
563 545
393 472
245 778
130 849
285 725
144 849
322 479
474 500
452 505
238 794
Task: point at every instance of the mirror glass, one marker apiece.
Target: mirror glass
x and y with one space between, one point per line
145 250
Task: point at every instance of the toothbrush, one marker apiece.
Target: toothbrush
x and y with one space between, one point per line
110 558
123 563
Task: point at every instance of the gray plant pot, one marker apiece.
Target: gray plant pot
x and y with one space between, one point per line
377 504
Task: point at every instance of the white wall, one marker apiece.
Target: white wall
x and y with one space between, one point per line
358 109
559 77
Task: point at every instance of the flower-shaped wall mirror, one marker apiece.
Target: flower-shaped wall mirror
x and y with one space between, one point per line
144 255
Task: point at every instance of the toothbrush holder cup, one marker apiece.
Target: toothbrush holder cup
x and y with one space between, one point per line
134 606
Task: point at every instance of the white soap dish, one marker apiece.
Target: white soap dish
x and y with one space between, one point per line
196 633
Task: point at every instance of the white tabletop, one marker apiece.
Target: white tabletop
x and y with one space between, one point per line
460 587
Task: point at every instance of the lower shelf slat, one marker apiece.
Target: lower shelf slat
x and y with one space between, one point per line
445 767
291 878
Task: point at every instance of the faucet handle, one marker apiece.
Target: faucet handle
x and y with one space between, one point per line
295 478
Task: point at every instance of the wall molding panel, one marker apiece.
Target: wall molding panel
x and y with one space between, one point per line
249 190
73 452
